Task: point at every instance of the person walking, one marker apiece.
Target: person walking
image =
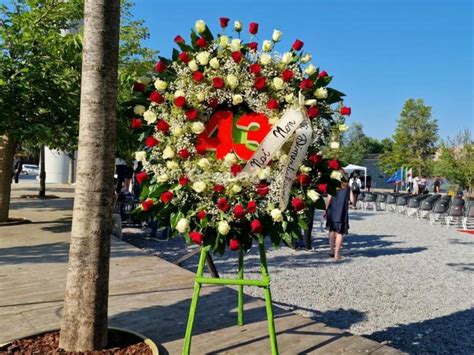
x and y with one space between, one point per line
337 214
355 185
17 168
437 185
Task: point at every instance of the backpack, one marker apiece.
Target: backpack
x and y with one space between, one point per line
355 186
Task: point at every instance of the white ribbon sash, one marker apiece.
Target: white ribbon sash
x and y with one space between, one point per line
294 120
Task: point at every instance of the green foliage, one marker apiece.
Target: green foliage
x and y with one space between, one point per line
456 160
414 141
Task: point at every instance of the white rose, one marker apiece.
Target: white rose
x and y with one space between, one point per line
238 26
224 41
168 153
276 214
310 102
203 163
334 145
162 178
201 96
263 174
232 80
149 116
203 58
343 127
140 156
177 131
321 93
172 165
200 26
236 44
273 120
287 57
182 225
276 36
145 80
237 99
193 65
290 98
267 46
265 59
306 58
313 195
283 158
236 188
305 169
310 69
223 227
230 159
160 84
278 83
199 186
197 127
178 93
214 63
337 175
139 110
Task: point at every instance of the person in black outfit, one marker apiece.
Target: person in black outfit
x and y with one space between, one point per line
368 184
437 185
337 214
17 168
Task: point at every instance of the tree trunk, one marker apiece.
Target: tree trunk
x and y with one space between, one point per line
42 175
72 167
84 325
7 149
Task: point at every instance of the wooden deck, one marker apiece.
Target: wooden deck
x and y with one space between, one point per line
147 295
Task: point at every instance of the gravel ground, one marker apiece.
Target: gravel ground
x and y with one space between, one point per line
402 282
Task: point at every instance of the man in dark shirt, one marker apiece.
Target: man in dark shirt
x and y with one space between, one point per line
17 168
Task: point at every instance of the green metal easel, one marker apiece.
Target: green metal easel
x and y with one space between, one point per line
241 282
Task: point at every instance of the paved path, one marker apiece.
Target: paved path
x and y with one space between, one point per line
147 294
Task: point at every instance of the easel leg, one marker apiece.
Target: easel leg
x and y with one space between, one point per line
194 302
268 299
240 276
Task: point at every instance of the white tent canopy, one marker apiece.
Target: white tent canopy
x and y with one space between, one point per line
352 167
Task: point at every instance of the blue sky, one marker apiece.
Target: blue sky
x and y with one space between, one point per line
381 52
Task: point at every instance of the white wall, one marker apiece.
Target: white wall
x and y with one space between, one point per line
56 166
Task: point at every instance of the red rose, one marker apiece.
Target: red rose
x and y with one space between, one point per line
297 45
253 28
138 87
262 189
234 245
224 22
251 207
236 56
239 211
272 104
180 101
191 114
151 141
313 112
297 204
315 159
307 84
198 76
196 237
183 181
162 126
303 180
136 123
219 188
345 111
160 67
252 46
260 83
334 164
147 204
184 153
218 83
201 42
166 197
255 68
201 215
200 148
256 226
141 176
235 169
155 96
179 39
213 103
183 56
222 204
287 75
322 188
323 74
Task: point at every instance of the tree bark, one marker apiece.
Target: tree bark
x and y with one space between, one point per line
7 150
84 325
42 175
